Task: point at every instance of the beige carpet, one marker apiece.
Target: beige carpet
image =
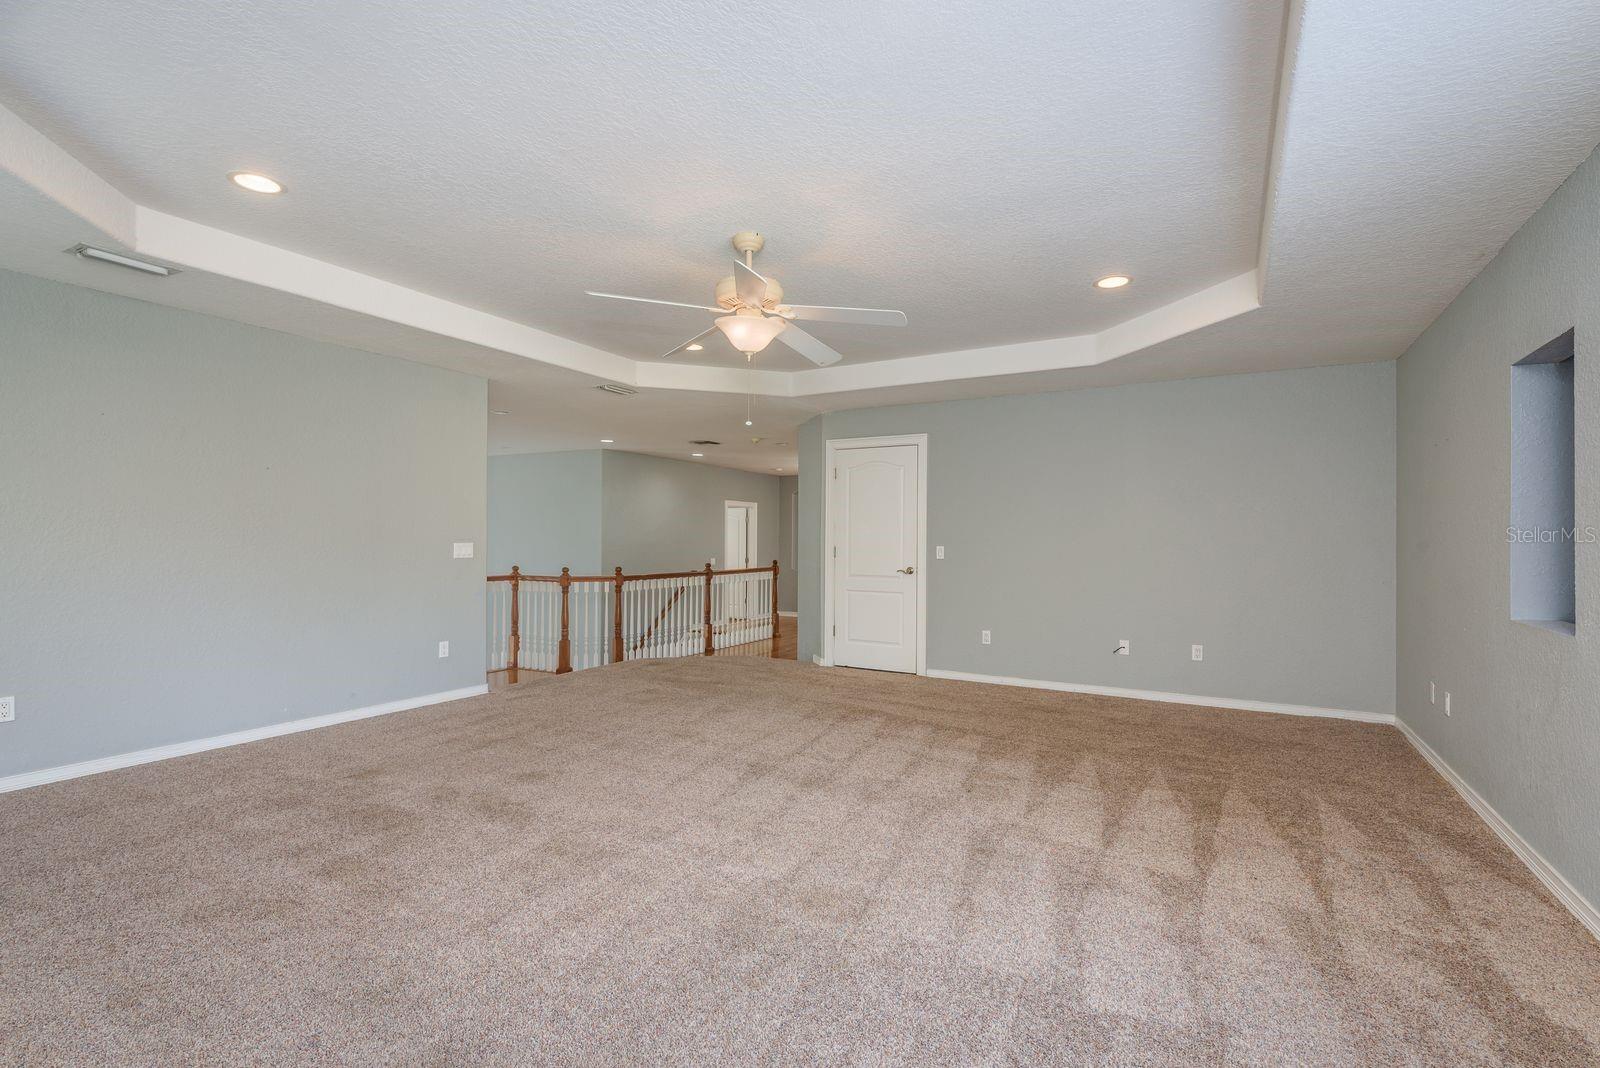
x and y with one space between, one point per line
756 861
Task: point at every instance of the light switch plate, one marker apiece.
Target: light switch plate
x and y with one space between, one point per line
463 550
444 650
938 552
8 709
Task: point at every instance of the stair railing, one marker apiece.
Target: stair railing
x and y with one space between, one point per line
566 622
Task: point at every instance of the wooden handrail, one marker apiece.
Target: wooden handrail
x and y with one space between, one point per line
627 578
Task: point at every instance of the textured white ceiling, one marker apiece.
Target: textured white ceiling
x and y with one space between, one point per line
975 165
1411 141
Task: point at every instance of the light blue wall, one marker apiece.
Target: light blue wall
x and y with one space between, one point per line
788 547
1524 728
667 515
595 510
207 527
1253 514
544 512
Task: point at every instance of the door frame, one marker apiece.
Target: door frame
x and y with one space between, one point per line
831 453
752 526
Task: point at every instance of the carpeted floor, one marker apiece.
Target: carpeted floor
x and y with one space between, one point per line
756 861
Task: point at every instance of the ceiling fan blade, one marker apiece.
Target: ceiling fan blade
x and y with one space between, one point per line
648 300
864 316
808 346
751 286
681 345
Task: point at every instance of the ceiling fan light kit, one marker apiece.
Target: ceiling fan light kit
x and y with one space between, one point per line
750 331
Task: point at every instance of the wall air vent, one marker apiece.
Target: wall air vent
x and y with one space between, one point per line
621 391
89 252
705 441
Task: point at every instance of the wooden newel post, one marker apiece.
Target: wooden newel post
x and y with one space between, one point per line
516 624
709 647
616 618
564 649
774 608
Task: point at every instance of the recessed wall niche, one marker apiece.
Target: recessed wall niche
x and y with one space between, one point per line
1542 534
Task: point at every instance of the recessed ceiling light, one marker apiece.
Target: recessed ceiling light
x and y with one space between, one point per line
696 347
1112 281
608 441
256 183
697 454
498 411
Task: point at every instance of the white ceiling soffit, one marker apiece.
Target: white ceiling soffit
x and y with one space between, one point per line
198 247
1410 141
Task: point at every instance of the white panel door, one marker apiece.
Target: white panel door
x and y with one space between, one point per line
738 539
736 536
875 584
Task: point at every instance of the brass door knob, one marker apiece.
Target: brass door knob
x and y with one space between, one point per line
908 571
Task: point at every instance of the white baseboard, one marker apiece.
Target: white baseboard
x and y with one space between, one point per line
1542 869
789 615
816 658
254 734
1169 698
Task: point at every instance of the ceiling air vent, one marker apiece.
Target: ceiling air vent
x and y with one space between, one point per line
705 441
89 252
621 391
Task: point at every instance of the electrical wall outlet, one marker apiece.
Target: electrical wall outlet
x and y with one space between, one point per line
1197 652
1123 648
444 650
938 552
462 550
8 709
1447 702
985 637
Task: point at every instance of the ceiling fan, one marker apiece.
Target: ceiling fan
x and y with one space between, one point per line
752 312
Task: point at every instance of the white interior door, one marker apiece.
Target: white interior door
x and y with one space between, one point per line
736 536
876 509
738 546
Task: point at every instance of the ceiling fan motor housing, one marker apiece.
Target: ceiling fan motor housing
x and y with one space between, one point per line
728 294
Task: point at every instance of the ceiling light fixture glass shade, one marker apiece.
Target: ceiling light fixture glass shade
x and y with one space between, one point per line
751 333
